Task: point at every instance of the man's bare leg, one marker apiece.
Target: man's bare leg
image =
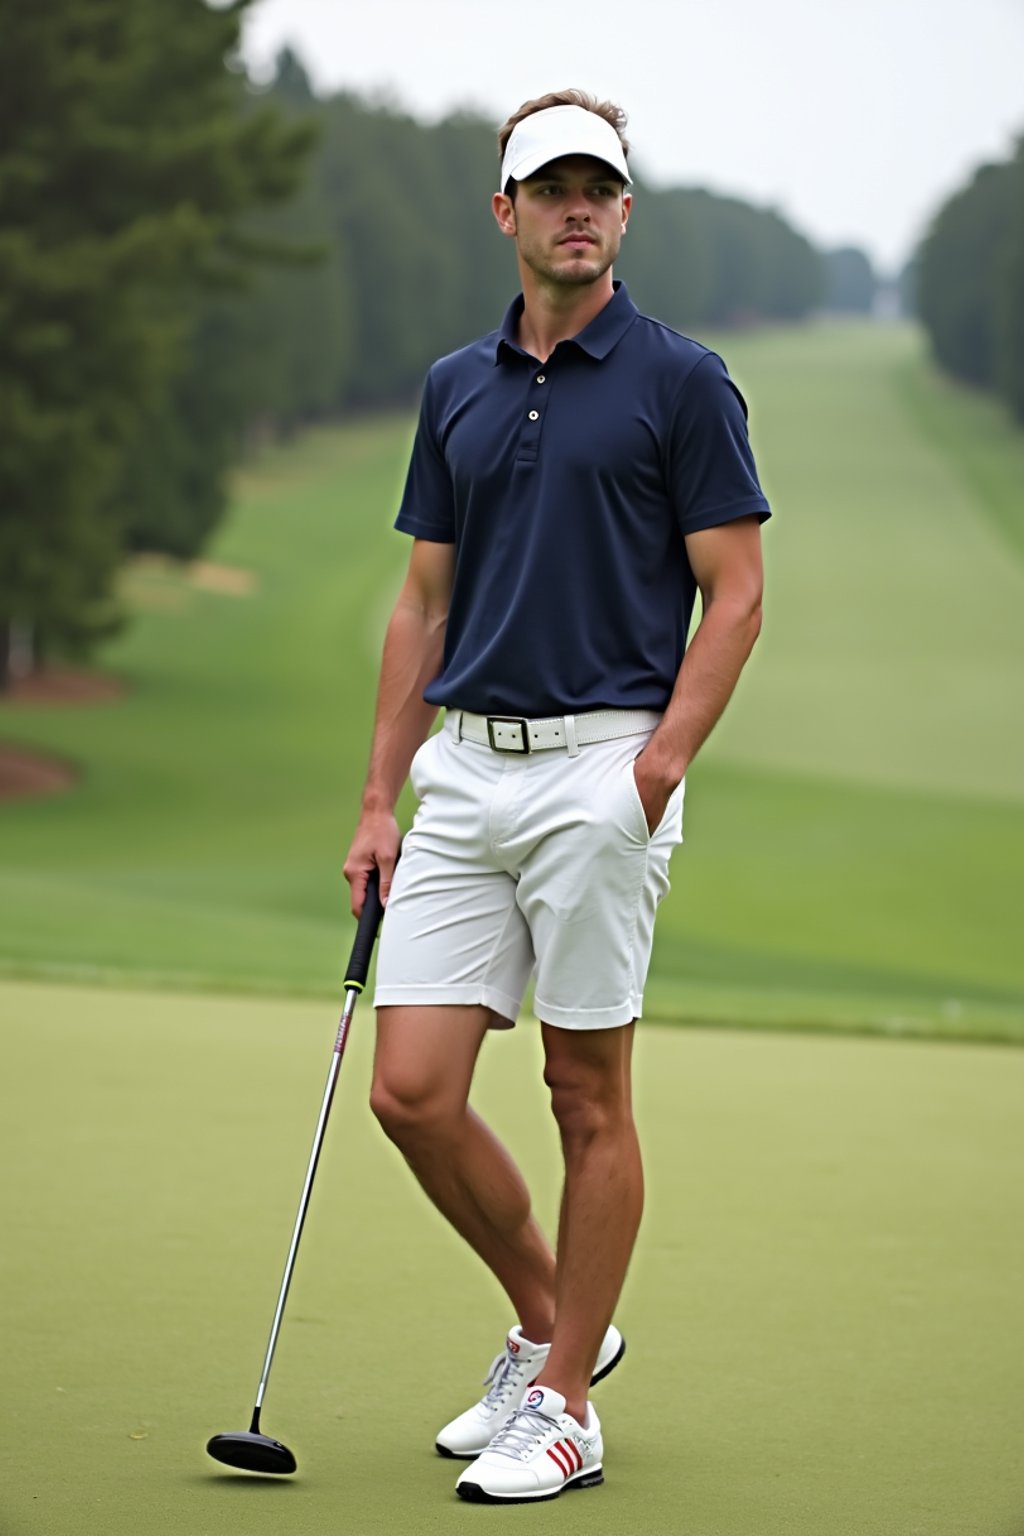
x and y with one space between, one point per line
588 1073
422 1074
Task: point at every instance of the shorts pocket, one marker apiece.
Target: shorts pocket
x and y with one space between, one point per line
640 827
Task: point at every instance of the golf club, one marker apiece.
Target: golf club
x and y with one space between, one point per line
250 1450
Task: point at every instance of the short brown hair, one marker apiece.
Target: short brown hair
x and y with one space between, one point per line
611 113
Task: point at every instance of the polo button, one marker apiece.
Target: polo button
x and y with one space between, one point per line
535 415
540 378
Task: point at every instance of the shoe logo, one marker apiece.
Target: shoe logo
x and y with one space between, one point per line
566 1457
535 1398
512 1346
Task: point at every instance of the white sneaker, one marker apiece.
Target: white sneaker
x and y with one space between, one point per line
506 1382
539 1453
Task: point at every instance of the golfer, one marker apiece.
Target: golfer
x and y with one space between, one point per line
577 476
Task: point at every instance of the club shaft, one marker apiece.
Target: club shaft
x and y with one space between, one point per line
314 1157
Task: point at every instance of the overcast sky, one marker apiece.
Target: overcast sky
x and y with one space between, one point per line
855 118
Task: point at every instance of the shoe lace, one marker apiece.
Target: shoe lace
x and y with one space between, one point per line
523 1433
502 1377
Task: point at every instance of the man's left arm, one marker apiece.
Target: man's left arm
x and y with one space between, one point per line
726 562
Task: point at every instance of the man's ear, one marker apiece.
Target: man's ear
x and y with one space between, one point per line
504 210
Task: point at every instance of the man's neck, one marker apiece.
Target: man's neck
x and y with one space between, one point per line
554 312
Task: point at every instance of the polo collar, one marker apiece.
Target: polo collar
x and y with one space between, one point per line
596 339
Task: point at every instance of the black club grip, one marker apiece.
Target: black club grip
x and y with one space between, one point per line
366 934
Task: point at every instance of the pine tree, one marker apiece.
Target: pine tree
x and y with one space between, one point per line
126 170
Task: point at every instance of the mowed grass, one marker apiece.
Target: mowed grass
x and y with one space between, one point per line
855 828
822 1313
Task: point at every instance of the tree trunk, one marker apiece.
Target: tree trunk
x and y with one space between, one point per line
17 652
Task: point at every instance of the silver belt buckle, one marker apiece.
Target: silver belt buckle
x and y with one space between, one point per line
516 720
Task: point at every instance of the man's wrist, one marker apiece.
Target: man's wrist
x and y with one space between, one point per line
378 802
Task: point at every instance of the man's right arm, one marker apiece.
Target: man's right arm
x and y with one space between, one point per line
413 651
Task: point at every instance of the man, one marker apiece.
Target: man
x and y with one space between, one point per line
576 476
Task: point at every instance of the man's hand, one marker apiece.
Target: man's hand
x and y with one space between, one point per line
655 785
375 845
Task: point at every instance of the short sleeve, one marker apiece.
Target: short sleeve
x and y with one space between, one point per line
712 478
428 504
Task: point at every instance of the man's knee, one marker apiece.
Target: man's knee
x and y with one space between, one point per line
423 1068
587 1101
408 1113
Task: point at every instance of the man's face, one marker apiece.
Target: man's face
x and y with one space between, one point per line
567 220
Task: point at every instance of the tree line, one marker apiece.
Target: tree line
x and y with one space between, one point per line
189 262
968 281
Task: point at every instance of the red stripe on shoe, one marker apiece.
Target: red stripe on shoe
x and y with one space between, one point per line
570 1446
560 1459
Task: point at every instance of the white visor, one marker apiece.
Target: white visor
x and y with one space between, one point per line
556 132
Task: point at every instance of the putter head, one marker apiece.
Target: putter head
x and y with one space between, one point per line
252 1453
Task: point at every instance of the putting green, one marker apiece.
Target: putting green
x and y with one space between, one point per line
823 1313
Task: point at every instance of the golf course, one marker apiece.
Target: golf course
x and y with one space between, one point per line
823 1315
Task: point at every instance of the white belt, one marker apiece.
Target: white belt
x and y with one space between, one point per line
511 733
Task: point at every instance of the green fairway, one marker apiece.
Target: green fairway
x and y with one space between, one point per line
854 830
822 1314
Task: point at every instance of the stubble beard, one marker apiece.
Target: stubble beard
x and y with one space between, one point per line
577 273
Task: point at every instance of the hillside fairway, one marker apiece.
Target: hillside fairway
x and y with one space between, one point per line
854 829
822 1314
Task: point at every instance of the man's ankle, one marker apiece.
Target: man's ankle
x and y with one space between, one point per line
575 1400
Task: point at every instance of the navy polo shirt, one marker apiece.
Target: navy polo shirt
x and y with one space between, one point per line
567 488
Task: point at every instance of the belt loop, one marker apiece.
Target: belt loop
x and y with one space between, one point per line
569 722
458 726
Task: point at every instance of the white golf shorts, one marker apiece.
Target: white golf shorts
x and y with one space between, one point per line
518 865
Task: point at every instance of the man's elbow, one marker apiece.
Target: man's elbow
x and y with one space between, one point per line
743 612
734 607
754 620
